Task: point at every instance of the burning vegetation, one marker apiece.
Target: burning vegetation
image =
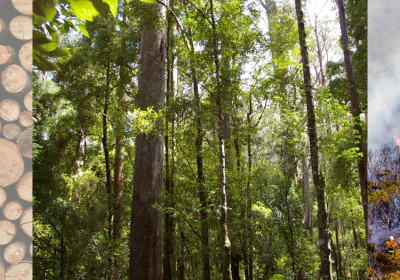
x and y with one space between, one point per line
384 213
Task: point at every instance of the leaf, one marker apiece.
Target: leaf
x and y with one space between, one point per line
37 9
113 6
82 28
58 52
83 9
44 64
101 7
48 47
49 9
149 1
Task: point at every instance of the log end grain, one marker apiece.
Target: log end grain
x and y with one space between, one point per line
28 101
25 118
21 27
25 56
26 222
15 79
23 6
30 250
24 187
24 143
3 197
9 110
7 55
14 252
7 232
13 210
11 163
11 131
20 271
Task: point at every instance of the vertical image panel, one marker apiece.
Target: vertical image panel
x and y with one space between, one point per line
383 140
16 140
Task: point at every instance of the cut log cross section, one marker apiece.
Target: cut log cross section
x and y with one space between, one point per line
9 110
7 232
15 79
25 56
14 252
21 27
23 6
11 163
13 210
11 131
7 55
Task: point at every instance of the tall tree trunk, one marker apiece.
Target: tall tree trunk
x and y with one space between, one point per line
323 224
305 190
107 154
362 161
119 145
226 244
169 248
146 232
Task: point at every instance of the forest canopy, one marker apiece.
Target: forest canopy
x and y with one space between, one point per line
229 135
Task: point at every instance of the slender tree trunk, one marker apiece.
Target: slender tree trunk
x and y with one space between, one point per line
248 194
107 155
146 231
226 244
362 161
119 145
305 190
323 224
169 271
339 256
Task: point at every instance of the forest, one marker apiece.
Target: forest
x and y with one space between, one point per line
200 139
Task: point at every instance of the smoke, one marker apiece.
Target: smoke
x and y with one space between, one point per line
383 72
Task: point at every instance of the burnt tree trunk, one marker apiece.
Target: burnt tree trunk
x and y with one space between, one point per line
362 161
146 230
319 183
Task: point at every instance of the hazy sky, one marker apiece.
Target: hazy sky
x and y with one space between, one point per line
383 71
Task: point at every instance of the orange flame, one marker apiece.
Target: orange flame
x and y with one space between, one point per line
397 140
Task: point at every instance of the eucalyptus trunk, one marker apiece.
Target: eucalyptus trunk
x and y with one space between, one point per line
319 183
119 145
169 270
226 244
362 161
146 230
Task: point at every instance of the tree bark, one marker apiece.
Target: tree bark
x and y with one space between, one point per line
146 231
119 144
226 244
169 271
323 224
362 161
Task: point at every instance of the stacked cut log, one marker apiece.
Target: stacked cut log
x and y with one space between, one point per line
16 139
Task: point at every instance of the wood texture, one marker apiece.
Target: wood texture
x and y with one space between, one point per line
15 79
24 143
3 197
14 252
2 268
21 27
7 55
28 101
9 110
11 131
30 250
7 232
23 6
11 163
25 56
13 210
26 221
24 187
20 271
2 27
25 118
